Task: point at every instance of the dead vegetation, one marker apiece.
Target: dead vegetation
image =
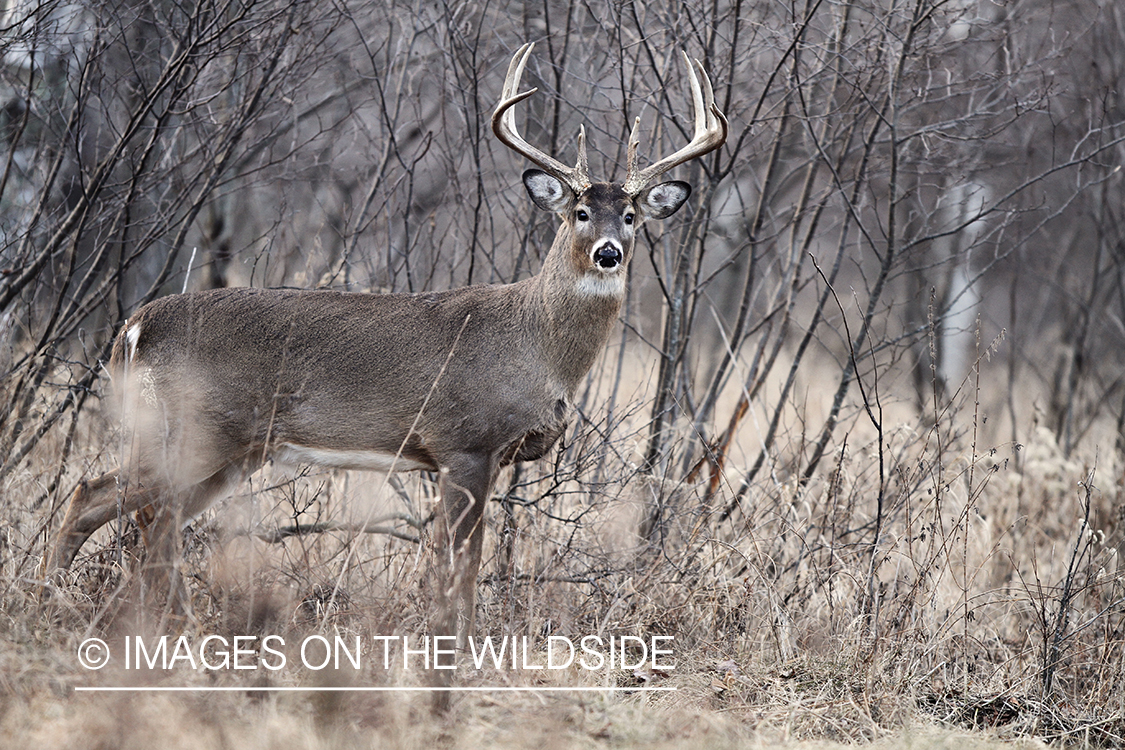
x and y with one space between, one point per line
855 448
985 597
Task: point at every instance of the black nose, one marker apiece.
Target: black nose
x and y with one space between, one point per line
607 256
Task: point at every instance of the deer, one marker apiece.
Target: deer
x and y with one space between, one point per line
460 382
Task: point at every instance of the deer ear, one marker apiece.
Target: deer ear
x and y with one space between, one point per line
547 192
663 200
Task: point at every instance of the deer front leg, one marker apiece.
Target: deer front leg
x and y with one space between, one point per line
465 487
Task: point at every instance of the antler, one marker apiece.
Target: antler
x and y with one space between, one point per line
504 126
710 133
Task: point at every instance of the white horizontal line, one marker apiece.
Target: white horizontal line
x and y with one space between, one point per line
322 689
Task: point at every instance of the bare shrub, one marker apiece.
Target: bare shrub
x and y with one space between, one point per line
855 445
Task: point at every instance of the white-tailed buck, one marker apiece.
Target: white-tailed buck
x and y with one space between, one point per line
461 382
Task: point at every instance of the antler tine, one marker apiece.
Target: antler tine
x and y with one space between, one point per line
710 132
504 126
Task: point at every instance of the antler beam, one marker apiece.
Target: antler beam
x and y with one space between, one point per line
710 133
504 126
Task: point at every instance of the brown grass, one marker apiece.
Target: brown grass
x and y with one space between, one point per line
987 608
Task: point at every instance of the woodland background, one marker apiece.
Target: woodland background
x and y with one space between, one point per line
856 444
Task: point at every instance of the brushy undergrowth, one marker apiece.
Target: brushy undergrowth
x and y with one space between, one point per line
925 577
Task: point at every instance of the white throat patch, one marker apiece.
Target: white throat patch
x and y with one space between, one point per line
601 285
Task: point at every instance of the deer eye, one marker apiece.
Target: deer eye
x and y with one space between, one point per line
629 219
583 216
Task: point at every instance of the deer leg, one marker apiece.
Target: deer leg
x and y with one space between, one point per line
93 505
96 503
465 487
160 572
162 530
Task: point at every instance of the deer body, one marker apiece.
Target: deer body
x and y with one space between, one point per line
357 381
461 382
217 382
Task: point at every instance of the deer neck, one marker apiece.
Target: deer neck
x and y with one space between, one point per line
579 309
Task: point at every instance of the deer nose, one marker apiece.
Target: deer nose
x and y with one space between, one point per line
608 256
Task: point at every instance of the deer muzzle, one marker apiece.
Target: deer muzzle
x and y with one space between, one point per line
607 255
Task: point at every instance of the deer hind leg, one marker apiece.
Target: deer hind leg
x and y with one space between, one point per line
93 505
162 528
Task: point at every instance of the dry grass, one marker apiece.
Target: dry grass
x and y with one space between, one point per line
954 591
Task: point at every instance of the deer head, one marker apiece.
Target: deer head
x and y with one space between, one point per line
600 220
